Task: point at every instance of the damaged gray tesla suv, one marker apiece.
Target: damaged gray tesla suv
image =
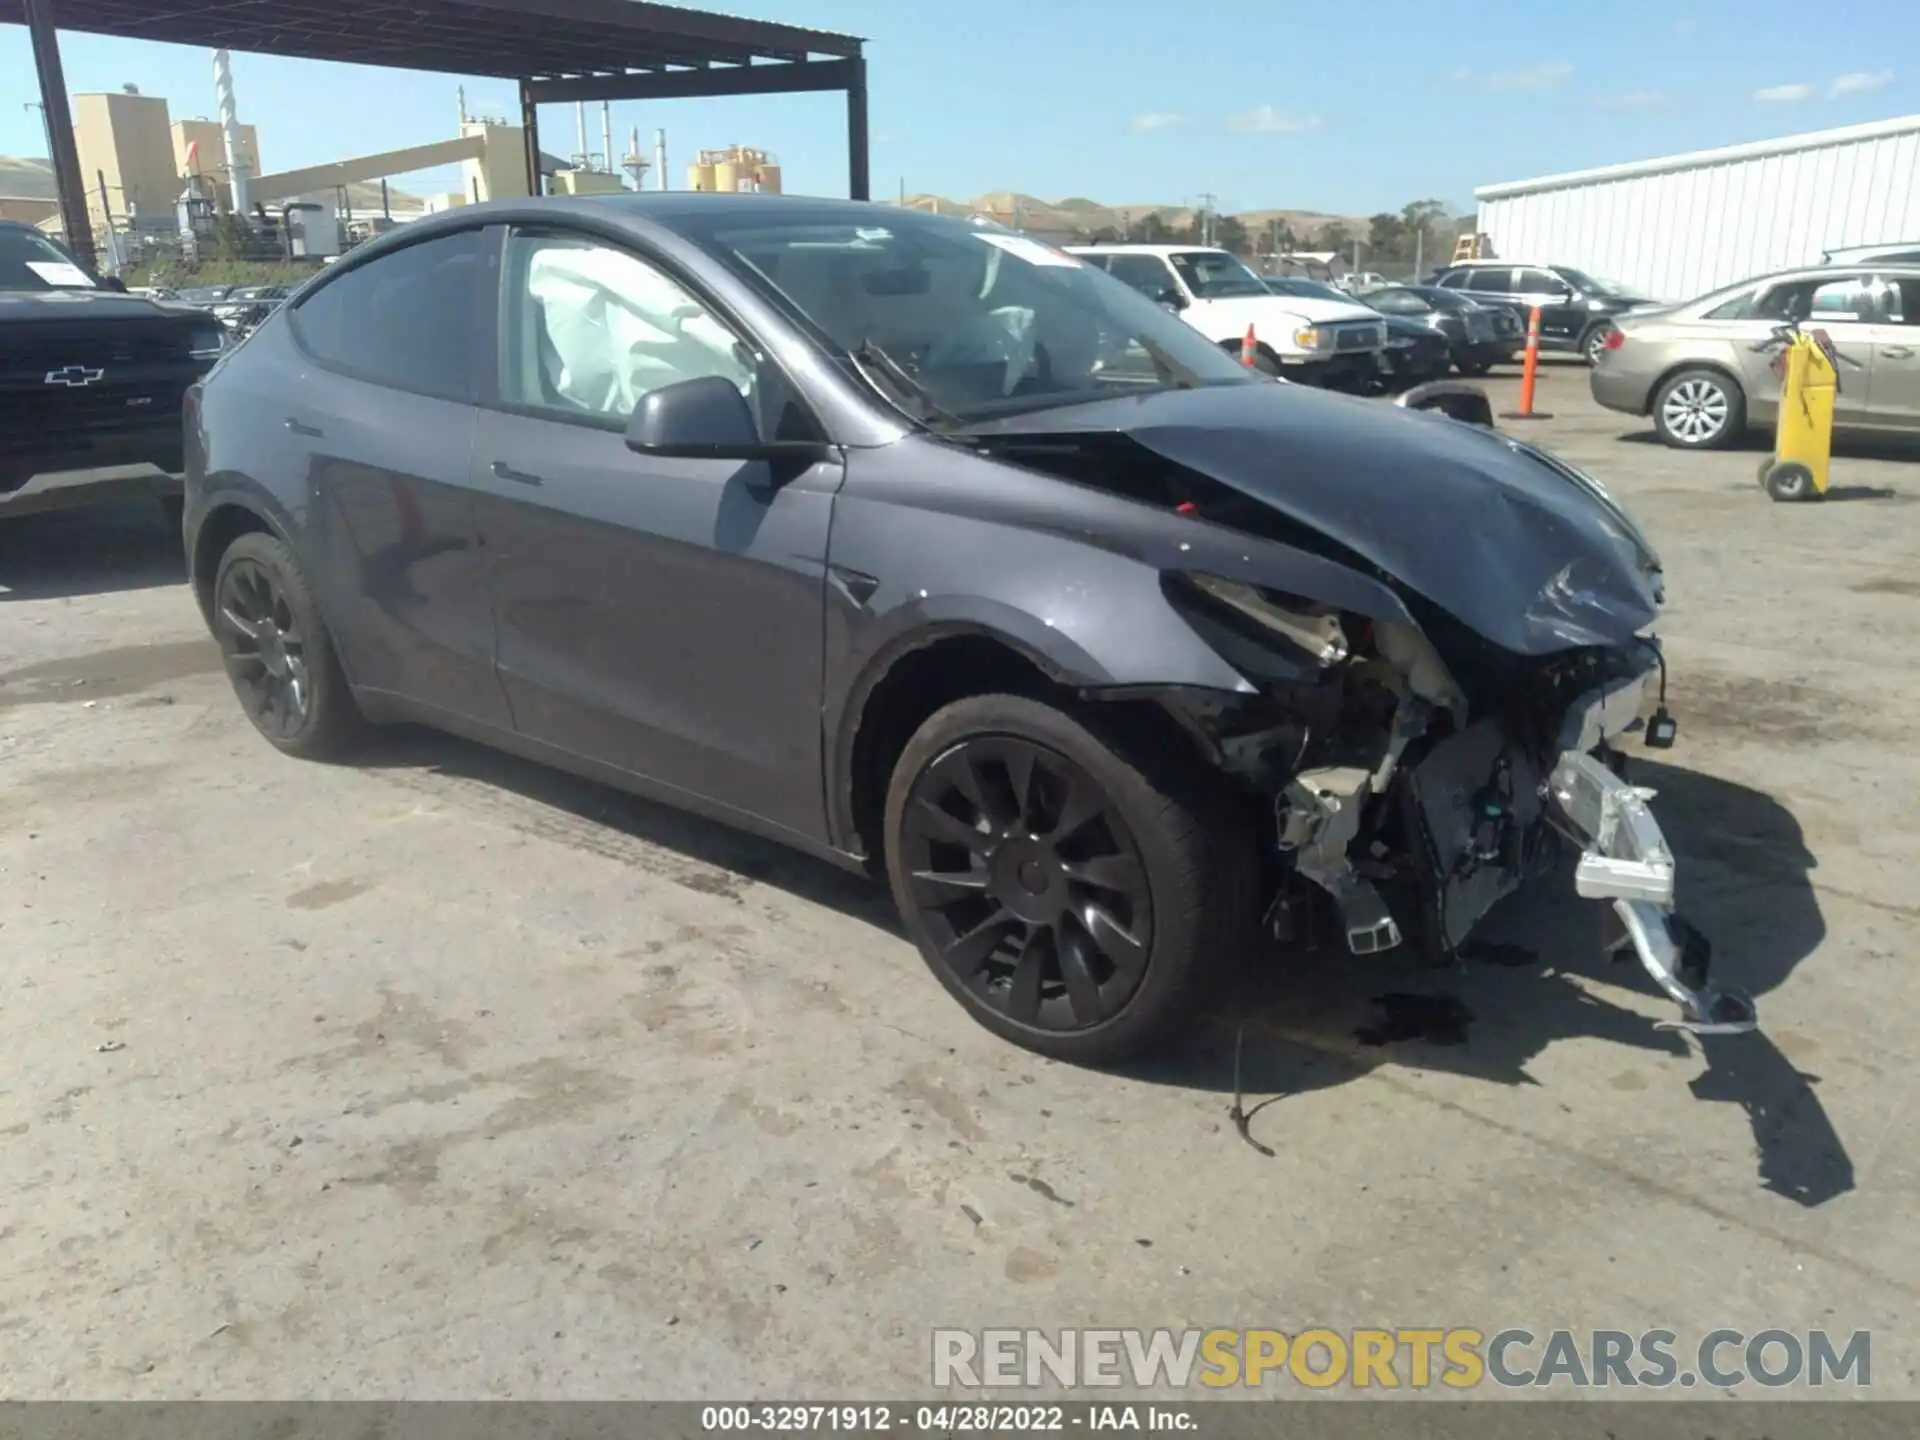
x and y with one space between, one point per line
924 547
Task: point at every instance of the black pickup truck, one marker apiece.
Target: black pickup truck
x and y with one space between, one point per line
91 381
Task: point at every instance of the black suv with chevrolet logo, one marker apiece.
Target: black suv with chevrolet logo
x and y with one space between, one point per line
91 381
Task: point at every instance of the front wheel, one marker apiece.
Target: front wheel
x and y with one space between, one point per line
1071 894
1699 409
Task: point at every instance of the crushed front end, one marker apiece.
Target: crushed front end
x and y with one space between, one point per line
1415 795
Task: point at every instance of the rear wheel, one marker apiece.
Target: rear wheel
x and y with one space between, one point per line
1699 410
277 651
1474 368
1071 894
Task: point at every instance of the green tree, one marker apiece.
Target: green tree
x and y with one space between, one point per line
1387 238
1334 236
1230 233
1152 229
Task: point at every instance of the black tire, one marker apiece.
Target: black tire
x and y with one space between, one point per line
1473 369
1684 410
1171 856
1592 338
1788 481
278 652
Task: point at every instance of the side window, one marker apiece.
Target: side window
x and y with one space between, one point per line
1740 307
1538 282
1148 274
1829 300
406 319
1454 279
1491 279
587 330
1900 301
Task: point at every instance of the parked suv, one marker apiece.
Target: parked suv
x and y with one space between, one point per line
1576 309
1694 369
1335 343
91 381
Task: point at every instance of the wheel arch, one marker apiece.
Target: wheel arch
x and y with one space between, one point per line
923 670
229 517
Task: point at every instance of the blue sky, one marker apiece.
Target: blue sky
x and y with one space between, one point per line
1260 102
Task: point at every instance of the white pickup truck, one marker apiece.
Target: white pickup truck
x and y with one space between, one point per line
1320 342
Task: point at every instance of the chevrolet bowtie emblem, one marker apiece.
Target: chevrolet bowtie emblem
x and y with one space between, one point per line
73 375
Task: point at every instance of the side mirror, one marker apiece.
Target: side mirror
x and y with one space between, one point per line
706 419
1172 300
113 283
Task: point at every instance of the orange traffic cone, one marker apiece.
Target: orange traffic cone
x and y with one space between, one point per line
1249 348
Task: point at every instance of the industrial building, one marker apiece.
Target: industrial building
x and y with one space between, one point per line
1678 227
1684 225
734 169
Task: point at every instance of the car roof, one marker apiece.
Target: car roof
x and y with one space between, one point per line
1850 253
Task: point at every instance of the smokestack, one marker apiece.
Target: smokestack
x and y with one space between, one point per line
580 120
230 130
660 159
606 134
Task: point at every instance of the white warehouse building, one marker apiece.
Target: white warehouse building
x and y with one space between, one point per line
1679 227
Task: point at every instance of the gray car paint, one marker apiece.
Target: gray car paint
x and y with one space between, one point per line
669 625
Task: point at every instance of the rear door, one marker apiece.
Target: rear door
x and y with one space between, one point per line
660 616
1893 394
1841 306
382 423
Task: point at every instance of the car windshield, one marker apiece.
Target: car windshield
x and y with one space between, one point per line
1596 284
30 261
1216 275
977 320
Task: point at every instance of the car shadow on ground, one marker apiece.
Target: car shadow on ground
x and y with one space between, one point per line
92 551
1311 1017
1538 973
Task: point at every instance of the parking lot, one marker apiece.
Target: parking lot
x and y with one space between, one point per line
443 1075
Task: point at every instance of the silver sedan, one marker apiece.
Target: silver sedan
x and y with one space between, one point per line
1702 373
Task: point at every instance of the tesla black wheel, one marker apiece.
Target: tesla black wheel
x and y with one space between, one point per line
277 652
1067 895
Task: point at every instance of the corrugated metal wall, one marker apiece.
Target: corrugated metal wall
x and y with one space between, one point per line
1684 231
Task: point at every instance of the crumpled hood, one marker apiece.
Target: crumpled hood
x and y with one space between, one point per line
1520 547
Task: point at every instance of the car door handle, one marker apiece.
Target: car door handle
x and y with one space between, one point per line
504 471
311 432
1896 352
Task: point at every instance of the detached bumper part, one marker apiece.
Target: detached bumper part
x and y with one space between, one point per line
1627 861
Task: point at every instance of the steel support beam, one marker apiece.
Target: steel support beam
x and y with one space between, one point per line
784 78
859 185
530 133
65 155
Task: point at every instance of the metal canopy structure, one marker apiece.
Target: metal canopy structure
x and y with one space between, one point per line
558 50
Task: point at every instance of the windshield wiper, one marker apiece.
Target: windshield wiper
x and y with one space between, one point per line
871 359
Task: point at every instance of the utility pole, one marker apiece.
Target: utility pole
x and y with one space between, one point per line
1206 217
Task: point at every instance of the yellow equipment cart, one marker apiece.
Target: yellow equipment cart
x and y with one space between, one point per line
1803 437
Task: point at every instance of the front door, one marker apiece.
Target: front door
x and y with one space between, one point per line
1563 314
663 616
381 420
1893 397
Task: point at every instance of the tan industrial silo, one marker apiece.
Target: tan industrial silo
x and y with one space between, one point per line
728 172
769 175
700 174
